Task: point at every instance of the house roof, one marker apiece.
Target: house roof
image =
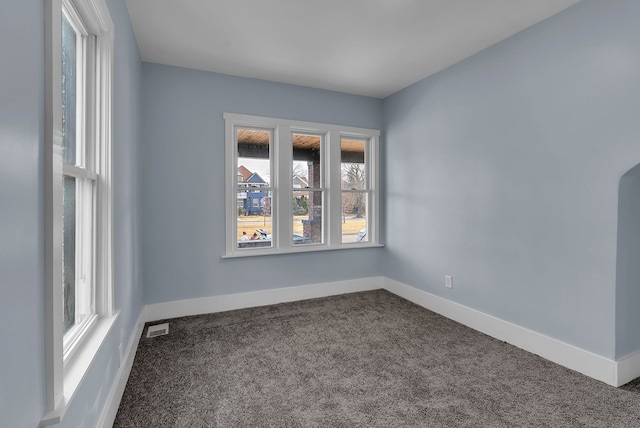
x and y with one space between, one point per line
255 178
300 182
246 174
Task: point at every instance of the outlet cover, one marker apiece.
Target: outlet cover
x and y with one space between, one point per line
448 281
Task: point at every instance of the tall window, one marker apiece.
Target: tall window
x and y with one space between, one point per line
299 186
78 193
356 189
79 184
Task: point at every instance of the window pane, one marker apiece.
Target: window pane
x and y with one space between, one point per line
354 202
307 166
307 174
353 164
307 217
68 92
253 198
354 217
69 251
253 231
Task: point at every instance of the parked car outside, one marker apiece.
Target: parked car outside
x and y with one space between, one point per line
297 239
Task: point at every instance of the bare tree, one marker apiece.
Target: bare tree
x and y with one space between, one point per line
300 170
353 178
300 202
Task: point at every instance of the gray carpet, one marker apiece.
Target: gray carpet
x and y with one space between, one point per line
366 359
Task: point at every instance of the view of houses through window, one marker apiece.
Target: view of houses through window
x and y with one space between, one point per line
254 225
254 194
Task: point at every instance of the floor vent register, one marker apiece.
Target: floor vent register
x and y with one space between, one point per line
158 330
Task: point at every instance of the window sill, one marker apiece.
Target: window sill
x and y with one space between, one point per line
309 249
78 368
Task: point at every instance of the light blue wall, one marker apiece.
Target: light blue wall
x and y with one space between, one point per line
22 377
127 137
183 183
503 171
21 220
628 275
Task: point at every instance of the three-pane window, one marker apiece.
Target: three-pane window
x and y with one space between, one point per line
299 186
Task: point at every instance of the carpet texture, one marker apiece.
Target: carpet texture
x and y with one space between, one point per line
366 359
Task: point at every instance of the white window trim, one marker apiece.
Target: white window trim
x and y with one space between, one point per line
281 171
63 376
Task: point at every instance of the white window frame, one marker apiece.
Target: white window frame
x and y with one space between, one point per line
281 185
68 357
368 183
84 174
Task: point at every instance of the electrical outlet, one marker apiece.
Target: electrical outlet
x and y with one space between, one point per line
448 281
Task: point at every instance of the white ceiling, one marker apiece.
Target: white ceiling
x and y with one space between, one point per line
364 47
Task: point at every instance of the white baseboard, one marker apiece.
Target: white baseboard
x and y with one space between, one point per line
115 395
572 357
627 369
229 302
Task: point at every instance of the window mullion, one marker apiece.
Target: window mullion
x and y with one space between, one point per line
333 186
100 128
231 163
373 183
284 161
